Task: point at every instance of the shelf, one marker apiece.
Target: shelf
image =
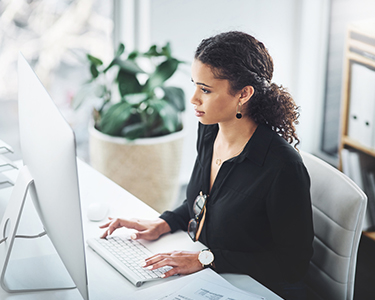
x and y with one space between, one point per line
361 59
359 49
354 144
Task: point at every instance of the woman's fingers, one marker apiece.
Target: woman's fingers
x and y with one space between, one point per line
145 229
171 272
111 226
106 224
182 262
151 261
146 235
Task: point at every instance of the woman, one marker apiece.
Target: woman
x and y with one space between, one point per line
248 198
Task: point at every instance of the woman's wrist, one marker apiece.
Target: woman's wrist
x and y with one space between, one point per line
162 226
206 258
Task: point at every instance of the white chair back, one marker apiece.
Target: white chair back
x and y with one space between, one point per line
339 207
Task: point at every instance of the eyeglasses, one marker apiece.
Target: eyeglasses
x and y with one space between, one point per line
195 224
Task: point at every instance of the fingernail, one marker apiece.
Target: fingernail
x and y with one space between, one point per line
133 236
162 275
150 267
142 263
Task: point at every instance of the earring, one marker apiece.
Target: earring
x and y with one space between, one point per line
238 110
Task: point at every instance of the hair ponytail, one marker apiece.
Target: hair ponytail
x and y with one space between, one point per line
276 108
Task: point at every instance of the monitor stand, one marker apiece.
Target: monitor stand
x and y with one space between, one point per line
45 272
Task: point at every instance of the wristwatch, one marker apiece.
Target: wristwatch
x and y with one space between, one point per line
206 258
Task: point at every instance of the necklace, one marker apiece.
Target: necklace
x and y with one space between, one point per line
218 161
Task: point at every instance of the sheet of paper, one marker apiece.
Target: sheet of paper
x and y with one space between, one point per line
207 282
201 289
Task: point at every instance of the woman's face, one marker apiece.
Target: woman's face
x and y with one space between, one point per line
212 101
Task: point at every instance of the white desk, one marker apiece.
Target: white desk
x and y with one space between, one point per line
104 281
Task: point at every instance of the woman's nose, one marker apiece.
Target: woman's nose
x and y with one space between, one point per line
194 99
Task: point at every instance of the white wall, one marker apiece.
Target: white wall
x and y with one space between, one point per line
310 77
292 30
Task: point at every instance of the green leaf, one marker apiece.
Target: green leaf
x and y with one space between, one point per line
109 66
170 118
114 118
129 66
162 72
167 114
132 55
128 83
94 71
166 50
152 51
94 60
175 96
135 98
120 50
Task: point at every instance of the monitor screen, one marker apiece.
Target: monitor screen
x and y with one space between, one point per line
49 154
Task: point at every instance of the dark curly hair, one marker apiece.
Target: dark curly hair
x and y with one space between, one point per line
242 60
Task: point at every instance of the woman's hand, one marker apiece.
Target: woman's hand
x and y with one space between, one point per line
146 229
182 262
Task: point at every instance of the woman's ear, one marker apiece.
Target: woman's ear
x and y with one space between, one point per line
246 93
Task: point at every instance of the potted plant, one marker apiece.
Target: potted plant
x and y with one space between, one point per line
136 137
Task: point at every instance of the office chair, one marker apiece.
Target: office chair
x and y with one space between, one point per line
339 207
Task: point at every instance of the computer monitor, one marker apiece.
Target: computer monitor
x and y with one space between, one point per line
50 174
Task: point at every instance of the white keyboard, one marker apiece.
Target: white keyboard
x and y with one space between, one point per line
125 255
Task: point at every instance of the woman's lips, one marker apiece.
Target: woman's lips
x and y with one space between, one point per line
199 113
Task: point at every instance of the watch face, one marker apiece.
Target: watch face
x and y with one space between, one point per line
206 257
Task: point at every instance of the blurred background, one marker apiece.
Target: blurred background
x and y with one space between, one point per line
305 38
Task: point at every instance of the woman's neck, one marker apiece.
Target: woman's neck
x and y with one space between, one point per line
235 133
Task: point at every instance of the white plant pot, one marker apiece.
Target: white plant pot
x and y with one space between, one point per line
149 168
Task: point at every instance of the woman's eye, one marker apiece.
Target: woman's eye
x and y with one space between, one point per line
205 91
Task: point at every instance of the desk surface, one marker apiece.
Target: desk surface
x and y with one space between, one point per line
104 281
